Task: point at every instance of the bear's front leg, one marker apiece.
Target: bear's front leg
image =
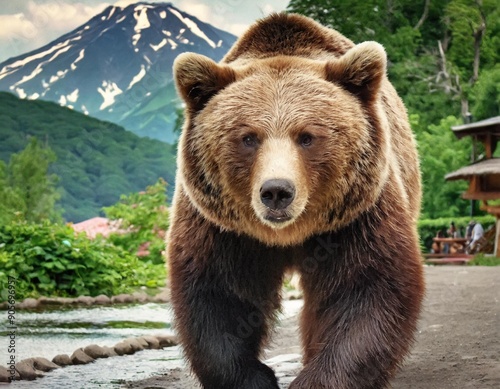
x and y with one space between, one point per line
225 289
360 312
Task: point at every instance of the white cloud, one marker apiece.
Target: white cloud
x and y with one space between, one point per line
40 23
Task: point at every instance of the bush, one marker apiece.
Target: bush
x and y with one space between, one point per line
483 260
52 260
428 228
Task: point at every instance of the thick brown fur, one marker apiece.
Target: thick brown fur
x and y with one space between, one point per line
298 102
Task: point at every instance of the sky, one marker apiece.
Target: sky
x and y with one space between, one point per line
26 25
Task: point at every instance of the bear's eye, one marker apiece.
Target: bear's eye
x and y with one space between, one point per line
250 141
305 140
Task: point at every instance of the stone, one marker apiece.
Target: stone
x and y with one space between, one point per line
167 340
110 351
44 364
95 351
136 346
153 342
28 303
140 297
64 300
62 360
80 358
4 374
27 370
102 299
162 297
122 299
85 300
123 348
143 342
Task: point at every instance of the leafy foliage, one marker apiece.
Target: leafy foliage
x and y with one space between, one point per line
144 218
51 260
28 190
96 161
483 260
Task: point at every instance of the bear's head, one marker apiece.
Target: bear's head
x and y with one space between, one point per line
284 147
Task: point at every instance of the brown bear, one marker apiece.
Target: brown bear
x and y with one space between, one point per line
296 154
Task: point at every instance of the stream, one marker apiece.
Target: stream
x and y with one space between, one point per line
61 331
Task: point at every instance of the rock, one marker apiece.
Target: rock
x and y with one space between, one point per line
3 306
95 351
140 297
133 342
122 299
50 301
27 370
44 364
102 299
142 342
153 342
4 374
80 358
167 340
85 300
62 360
110 351
64 300
28 303
162 297
123 348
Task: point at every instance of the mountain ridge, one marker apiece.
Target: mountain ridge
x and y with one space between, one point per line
109 66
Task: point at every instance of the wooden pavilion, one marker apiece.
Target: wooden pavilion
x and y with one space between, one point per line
483 174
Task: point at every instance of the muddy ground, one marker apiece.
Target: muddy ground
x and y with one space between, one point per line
458 344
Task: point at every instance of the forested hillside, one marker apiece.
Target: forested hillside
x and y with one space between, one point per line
96 161
444 62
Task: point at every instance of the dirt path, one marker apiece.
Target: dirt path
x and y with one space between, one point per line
458 344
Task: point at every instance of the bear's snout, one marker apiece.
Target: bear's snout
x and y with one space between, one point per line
277 195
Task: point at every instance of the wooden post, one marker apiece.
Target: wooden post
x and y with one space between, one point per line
497 237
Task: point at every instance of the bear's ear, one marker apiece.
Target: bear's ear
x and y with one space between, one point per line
360 70
198 78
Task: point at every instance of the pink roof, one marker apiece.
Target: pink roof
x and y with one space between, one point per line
95 226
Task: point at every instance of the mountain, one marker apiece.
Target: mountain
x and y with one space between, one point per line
96 161
117 66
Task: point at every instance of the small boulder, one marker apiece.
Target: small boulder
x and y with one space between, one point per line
142 342
110 351
140 297
95 351
80 358
28 303
27 370
122 299
123 348
85 300
153 342
102 299
4 374
167 340
62 360
44 364
162 297
134 343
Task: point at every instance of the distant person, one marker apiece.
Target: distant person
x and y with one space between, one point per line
468 231
436 246
476 234
453 231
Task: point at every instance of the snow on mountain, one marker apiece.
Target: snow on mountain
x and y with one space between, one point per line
118 65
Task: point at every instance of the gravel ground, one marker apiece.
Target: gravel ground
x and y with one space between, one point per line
458 344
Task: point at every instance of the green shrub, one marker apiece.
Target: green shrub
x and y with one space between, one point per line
428 228
483 260
52 260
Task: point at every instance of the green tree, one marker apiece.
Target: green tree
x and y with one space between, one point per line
143 219
29 191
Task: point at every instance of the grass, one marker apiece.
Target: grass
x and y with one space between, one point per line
482 260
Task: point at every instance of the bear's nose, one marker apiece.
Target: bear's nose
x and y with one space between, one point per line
277 194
